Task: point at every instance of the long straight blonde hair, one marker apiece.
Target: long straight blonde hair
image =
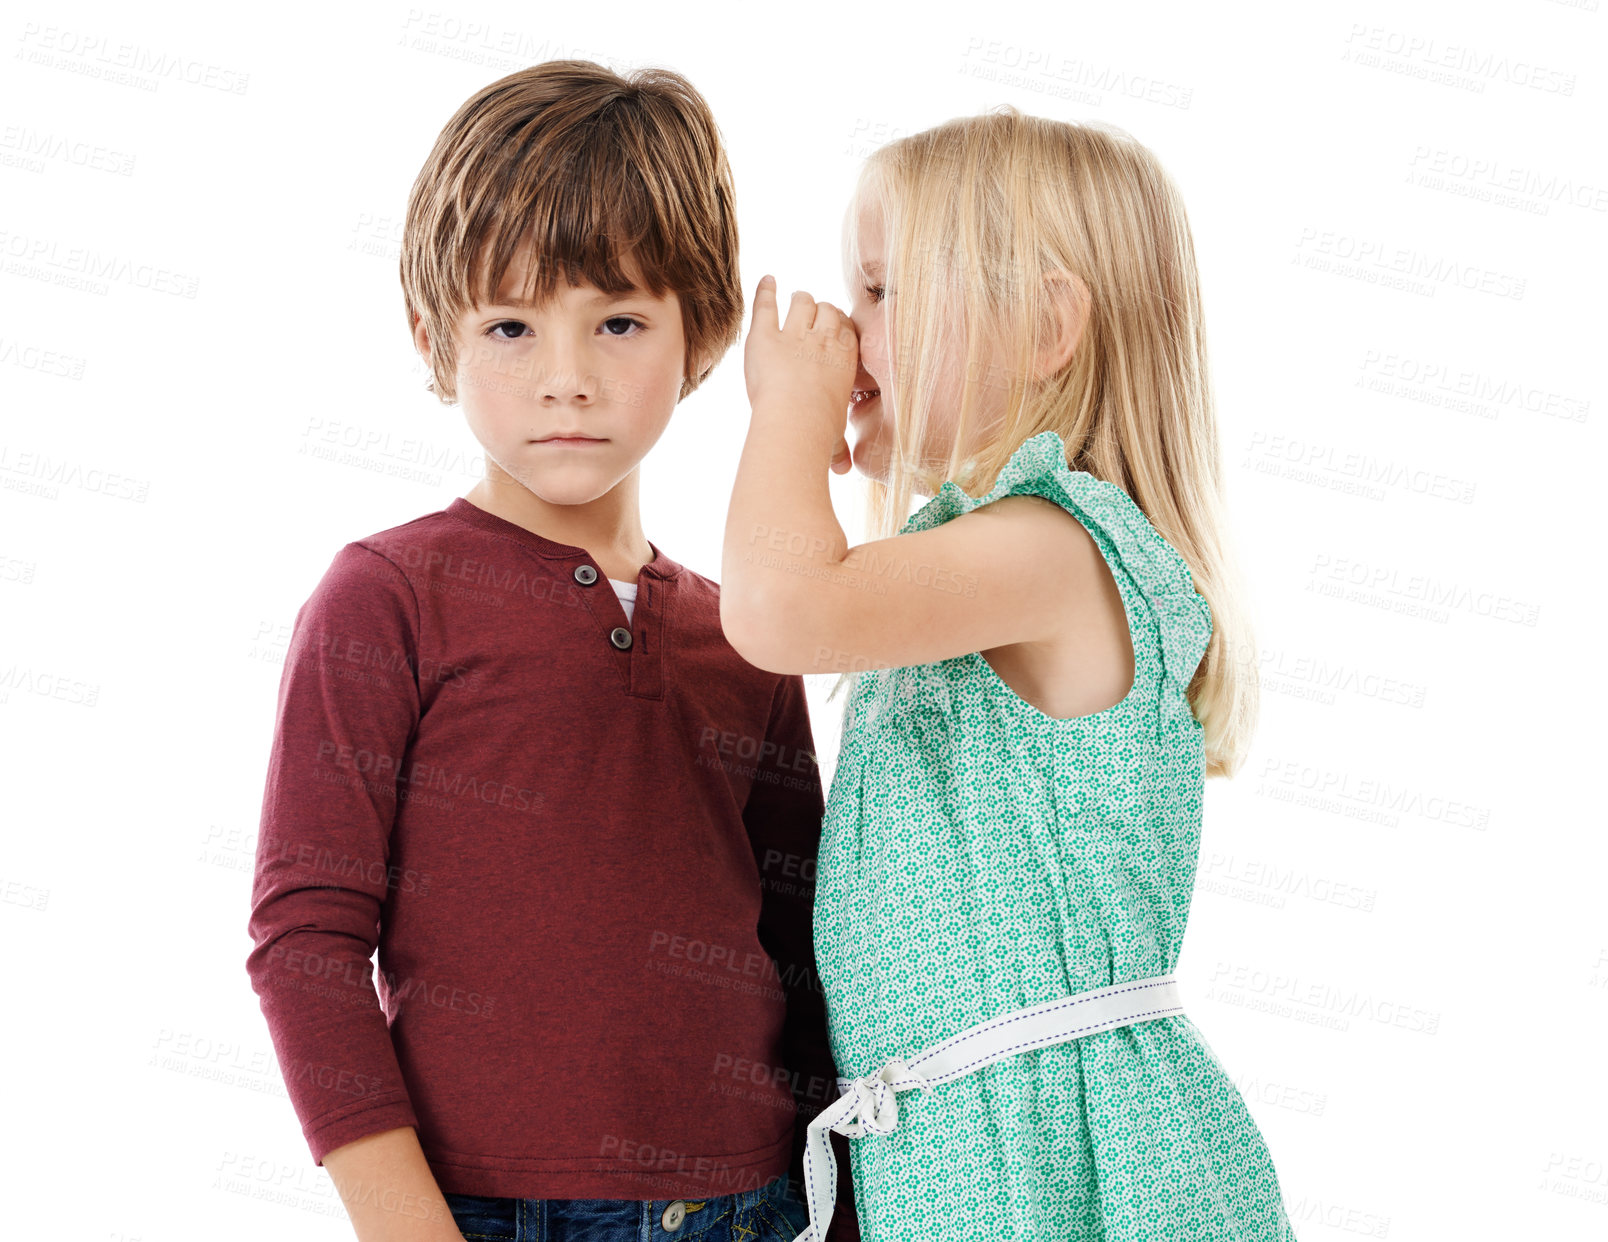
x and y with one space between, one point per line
975 213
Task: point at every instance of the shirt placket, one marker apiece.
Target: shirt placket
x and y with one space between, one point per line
638 641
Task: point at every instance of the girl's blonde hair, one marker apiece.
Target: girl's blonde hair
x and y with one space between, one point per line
975 213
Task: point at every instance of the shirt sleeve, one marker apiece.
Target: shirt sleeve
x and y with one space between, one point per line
783 817
348 707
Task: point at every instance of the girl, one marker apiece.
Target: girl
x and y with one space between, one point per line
1047 669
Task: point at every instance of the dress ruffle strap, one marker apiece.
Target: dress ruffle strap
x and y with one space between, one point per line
1184 618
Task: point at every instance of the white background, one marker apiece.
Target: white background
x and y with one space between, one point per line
1398 944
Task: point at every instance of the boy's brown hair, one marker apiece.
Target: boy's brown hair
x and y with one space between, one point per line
593 169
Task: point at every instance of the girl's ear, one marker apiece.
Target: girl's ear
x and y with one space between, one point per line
1068 300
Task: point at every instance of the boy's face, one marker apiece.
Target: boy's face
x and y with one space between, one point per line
604 367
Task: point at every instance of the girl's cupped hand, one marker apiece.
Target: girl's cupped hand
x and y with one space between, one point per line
803 368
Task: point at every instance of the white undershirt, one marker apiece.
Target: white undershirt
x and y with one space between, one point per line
627 592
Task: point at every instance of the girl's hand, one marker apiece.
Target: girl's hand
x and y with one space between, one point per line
805 366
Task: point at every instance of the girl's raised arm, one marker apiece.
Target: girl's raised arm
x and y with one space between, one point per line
795 598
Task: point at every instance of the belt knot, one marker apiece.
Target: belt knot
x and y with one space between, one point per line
875 1109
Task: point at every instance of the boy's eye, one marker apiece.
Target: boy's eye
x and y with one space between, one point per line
517 329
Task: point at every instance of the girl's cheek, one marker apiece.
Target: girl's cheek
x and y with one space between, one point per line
875 355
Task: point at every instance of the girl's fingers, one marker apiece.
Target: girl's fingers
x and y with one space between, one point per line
765 302
804 313
800 312
830 318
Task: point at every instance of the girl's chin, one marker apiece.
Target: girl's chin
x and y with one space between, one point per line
869 464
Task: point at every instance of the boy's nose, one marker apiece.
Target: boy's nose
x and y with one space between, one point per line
566 383
561 370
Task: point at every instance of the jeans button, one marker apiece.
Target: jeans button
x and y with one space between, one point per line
674 1215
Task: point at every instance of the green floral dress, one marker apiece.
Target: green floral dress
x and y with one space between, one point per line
978 856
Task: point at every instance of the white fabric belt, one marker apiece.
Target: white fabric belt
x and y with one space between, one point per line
867 1105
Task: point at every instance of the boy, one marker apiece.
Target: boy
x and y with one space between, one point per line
576 825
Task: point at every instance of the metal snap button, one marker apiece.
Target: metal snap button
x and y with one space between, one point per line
674 1215
620 637
585 575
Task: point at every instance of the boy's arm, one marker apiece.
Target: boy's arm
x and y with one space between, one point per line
389 1191
348 707
783 817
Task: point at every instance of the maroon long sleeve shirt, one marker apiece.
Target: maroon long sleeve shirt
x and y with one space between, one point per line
584 849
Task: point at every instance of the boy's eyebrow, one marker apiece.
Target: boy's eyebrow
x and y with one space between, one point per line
525 303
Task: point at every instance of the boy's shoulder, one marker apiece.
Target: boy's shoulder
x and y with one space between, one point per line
375 566
408 544
695 581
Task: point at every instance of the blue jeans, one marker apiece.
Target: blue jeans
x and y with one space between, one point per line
773 1212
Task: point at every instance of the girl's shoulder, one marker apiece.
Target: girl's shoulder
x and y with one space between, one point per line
1038 467
1130 544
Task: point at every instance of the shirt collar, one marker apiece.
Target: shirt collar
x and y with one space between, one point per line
661 566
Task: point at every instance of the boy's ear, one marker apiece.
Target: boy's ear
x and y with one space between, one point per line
421 338
701 363
1069 303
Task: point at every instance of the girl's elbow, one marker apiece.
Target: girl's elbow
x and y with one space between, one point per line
772 637
749 630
